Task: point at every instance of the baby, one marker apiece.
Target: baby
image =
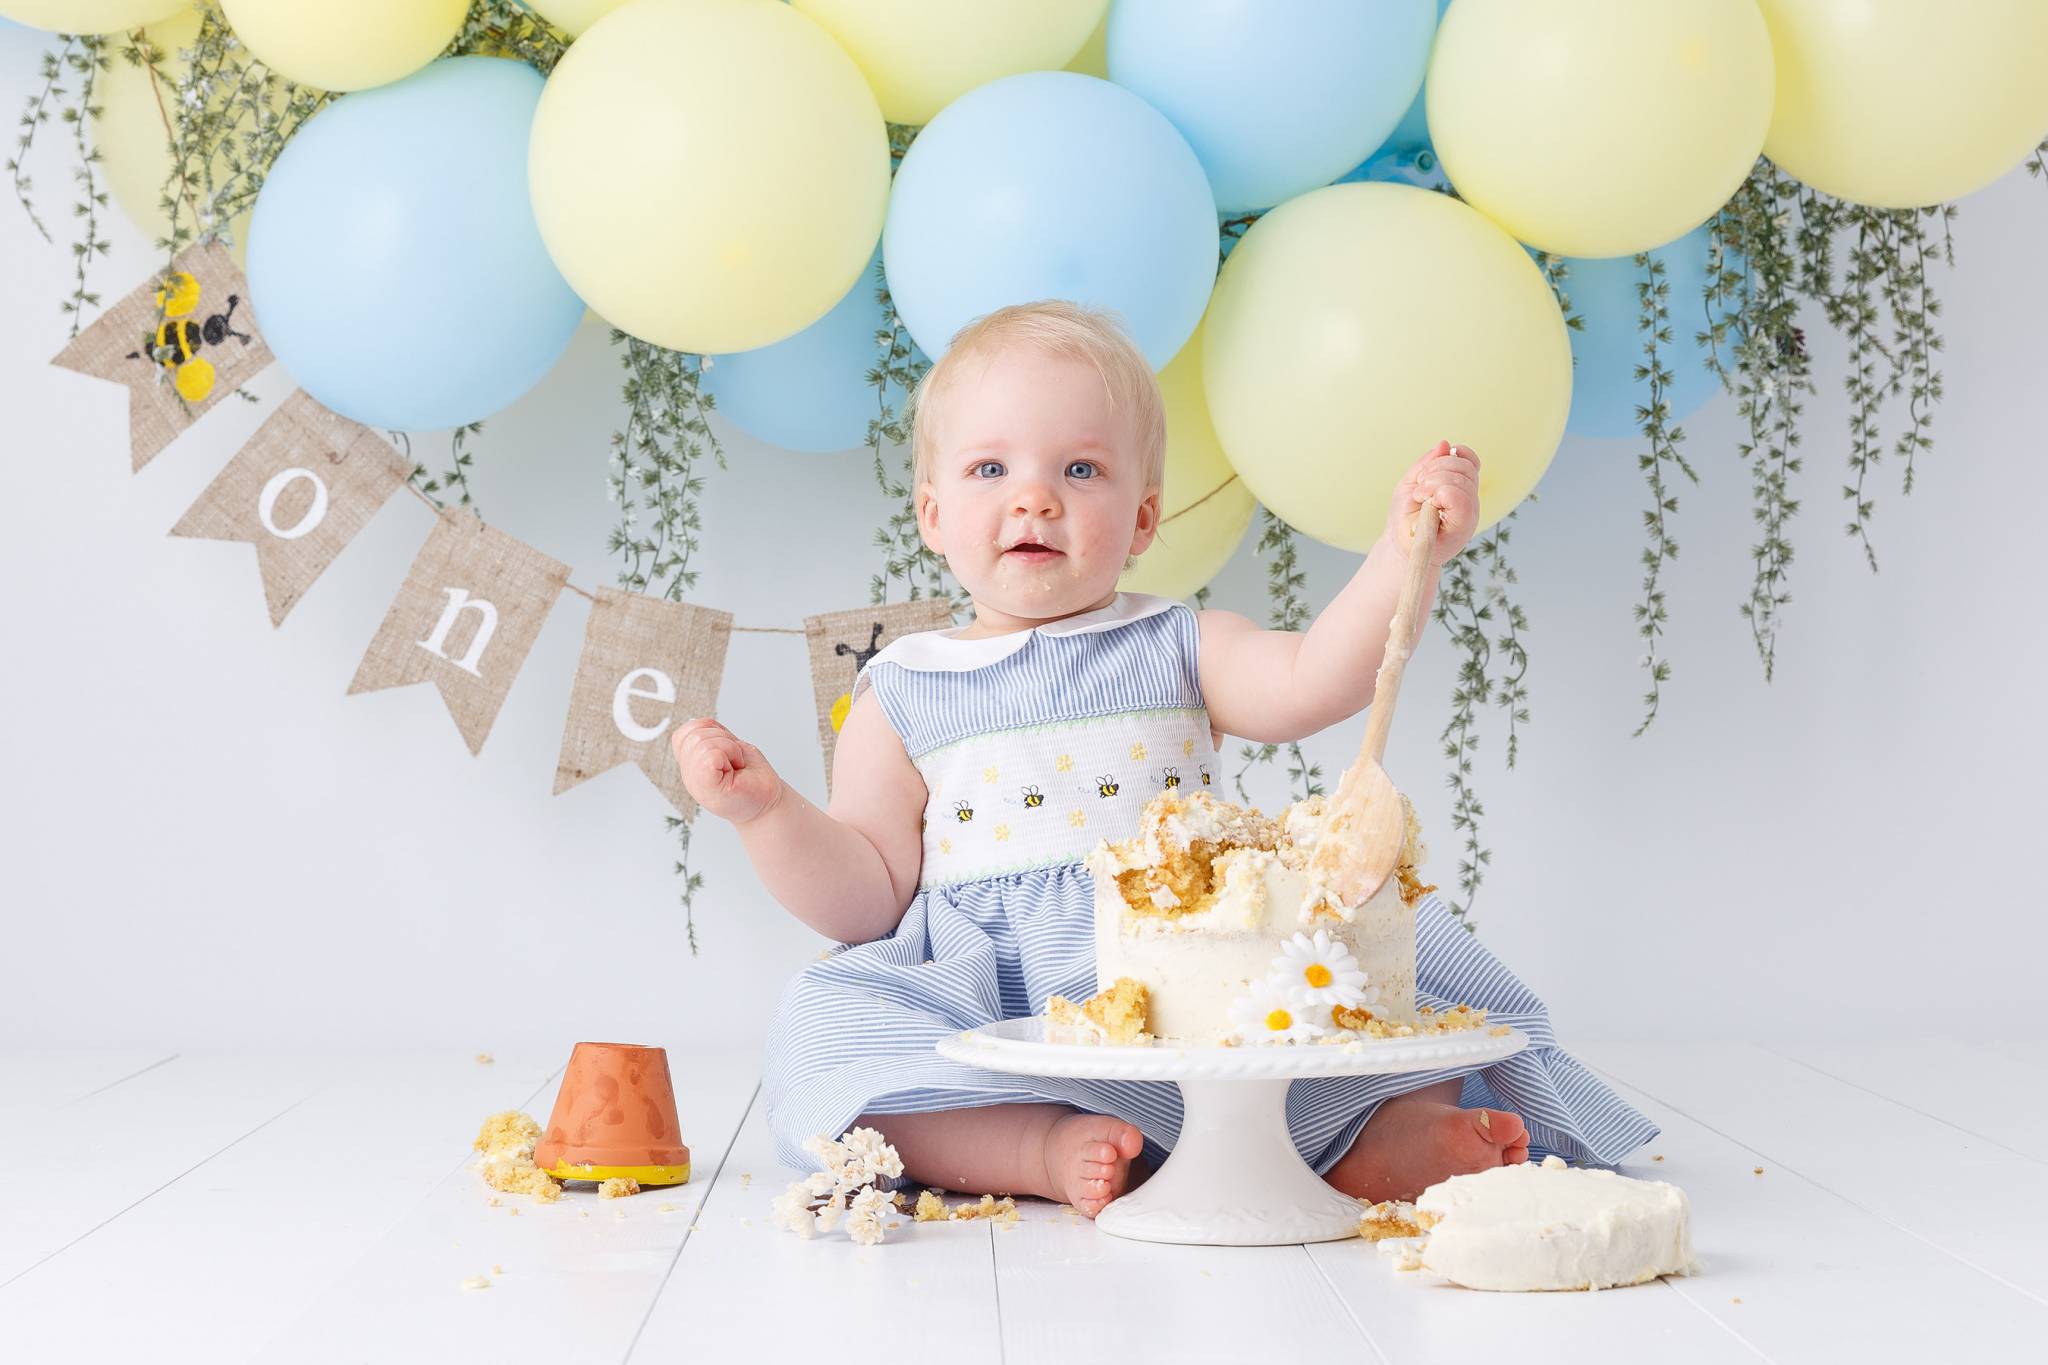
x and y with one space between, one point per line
977 767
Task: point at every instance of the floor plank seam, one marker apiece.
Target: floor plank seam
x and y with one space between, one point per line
122 1081
1672 1283
995 1279
709 1190
1345 1306
1889 1099
30 1269
1959 1259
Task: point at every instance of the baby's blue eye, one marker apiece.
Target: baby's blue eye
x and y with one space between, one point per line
989 469
1082 469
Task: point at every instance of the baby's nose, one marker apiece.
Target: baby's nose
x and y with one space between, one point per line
1037 502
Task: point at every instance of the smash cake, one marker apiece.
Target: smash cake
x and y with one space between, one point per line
1540 1226
1210 931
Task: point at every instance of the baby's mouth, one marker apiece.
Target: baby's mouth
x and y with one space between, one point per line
1032 552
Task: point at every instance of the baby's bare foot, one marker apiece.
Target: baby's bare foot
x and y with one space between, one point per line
1409 1144
1088 1159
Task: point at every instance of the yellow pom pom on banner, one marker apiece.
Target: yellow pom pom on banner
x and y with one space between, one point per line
709 175
921 55
351 46
1194 541
1900 104
90 16
1353 328
1599 127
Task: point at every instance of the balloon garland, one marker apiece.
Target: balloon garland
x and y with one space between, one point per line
873 155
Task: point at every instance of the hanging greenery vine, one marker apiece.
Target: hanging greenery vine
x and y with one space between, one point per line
898 364
1662 458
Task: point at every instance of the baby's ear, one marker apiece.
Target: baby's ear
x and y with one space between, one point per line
928 518
1147 526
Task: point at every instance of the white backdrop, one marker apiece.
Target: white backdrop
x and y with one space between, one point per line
207 843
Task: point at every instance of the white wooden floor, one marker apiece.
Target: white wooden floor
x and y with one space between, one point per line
216 1208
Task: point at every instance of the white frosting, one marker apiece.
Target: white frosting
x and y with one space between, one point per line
1555 1226
1197 963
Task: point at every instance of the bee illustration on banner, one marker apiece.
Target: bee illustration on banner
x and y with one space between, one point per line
177 340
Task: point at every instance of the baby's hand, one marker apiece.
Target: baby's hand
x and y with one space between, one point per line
726 775
1449 475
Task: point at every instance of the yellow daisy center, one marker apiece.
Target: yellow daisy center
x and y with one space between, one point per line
1279 1021
1318 975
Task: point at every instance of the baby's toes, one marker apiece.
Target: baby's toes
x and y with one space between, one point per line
1504 1127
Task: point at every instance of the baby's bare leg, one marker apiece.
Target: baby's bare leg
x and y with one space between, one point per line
1048 1150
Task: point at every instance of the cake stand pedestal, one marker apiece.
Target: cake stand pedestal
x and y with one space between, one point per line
1233 1177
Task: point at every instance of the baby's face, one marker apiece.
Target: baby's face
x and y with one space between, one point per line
1036 493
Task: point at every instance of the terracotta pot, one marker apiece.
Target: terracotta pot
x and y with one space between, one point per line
615 1115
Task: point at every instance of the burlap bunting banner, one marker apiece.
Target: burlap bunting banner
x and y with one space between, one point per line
469 610
306 482
648 666
181 341
841 644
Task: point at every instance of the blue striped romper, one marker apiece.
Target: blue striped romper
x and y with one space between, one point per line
1033 746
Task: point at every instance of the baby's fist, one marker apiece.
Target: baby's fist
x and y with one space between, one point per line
1449 477
723 773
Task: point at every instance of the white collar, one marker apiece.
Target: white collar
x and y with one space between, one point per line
941 650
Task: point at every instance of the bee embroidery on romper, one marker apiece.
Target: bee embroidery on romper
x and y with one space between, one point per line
1172 778
176 341
1106 785
962 812
1205 773
1033 797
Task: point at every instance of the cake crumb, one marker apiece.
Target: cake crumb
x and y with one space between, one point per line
485 1059
665 1208
497 1269
1390 1218
618 1187
506 1140
930 1208
1657 1157
1759 1170
1004 1209
494 1201
515 1210
746 1179
477 1282
1735 1300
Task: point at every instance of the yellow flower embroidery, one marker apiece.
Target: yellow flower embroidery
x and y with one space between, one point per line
1002 833
1187 748
1077 817
1138 752
989 775
945 845
1064 763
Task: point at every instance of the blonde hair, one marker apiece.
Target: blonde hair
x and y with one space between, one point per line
1055 327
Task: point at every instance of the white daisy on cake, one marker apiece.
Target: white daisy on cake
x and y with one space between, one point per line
1322 972
1270 1012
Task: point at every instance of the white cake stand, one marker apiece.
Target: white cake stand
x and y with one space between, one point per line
1233 1177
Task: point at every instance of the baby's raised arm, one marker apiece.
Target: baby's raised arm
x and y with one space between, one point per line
1274 686
849 873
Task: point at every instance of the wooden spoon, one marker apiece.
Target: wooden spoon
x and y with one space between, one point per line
1366 823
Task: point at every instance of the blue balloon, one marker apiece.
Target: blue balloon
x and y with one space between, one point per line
811 392
1605 391
1412 131
1051 184
394 261
1276 100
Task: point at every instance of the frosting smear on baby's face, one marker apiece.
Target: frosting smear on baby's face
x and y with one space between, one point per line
1036 492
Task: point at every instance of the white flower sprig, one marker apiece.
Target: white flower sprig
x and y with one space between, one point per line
849 1188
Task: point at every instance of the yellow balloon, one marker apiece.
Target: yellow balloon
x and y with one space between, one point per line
1093 58
135 151
921 55
573 16
1599 127
90 16
710 175
351 46
1899 104
1357 325
1206 507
